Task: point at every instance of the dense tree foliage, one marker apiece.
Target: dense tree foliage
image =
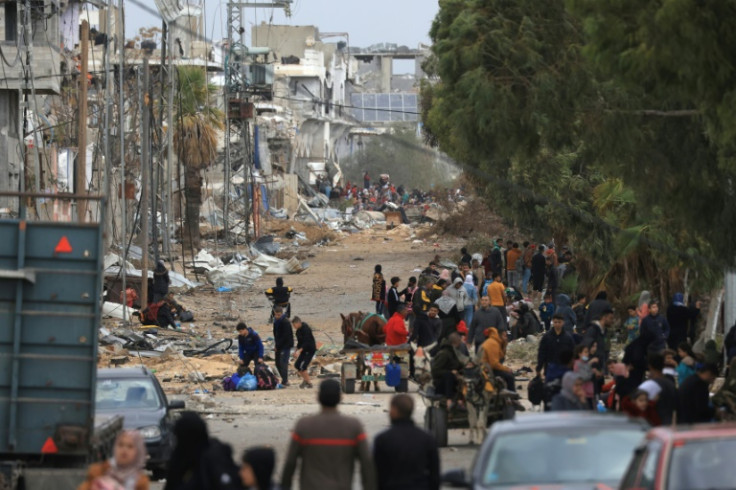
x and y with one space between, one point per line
607 125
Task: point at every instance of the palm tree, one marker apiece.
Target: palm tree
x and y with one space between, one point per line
195 140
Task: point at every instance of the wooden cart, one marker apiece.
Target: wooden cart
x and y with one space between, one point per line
368 365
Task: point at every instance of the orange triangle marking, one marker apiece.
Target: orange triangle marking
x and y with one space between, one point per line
63 247
49 447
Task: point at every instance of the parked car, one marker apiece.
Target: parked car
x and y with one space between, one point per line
571 450
137 396
695 457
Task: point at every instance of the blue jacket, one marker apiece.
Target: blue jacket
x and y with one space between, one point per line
251 344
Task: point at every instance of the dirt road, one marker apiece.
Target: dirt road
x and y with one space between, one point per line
338 280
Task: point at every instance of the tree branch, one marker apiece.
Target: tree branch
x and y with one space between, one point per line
658 113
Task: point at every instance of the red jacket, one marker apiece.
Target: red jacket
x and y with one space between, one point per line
396 333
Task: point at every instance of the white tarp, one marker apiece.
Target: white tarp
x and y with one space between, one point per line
206 260
234 275
115 310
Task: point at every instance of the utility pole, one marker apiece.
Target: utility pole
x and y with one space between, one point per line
81 174
109 82
121 110
145 173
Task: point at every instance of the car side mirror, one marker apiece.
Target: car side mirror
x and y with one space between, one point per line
456 478
177 405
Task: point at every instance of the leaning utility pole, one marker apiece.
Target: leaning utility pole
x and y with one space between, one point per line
81 173
121 110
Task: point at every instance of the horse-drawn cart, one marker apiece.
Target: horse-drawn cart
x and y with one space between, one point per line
367 365
481 407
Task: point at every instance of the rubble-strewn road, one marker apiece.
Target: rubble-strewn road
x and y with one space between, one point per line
338 280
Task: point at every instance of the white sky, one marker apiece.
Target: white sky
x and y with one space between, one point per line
404 22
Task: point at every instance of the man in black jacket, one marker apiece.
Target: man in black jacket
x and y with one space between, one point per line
694 396
283 342
552 344
405 456
305 349
596 332
486 317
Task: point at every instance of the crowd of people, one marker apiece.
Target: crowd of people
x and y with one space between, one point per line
324 446
466 315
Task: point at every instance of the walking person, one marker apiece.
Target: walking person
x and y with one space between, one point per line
393 297
305 350
514 265
378 293
406 457
497 294
551 347
680 317
280 295
539 272
527 260
572 395
283 342
486 317
472 298
654 329
328 444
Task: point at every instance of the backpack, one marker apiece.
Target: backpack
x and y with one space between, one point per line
228 384
265 378
186 316
247 383
393 374
536 391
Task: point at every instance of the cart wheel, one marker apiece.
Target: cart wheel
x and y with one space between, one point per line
348 386
435 422
403 386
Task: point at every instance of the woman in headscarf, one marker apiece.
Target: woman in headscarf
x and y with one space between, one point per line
161 281
125 470
257 467
572 396
725 399
472 291
449 315
199 461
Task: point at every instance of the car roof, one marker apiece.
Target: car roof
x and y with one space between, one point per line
573 419
132 372
692 432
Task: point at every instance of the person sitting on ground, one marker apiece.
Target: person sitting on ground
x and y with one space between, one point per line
328 444
165 315
280 296
256 469
305 350
725 400
406 457
250 346
126 468
572 396
446 367
491 353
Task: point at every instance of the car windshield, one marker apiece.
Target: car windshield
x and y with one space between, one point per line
126 393
561 456
703 464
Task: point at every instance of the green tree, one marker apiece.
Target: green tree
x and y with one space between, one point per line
195 140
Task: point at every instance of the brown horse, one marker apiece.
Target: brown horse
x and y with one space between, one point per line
366 329
363 327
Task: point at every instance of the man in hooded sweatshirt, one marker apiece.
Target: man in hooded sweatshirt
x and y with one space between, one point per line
563 308
486 317
161 281
492 352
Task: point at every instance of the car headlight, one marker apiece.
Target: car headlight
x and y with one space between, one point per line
150 432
